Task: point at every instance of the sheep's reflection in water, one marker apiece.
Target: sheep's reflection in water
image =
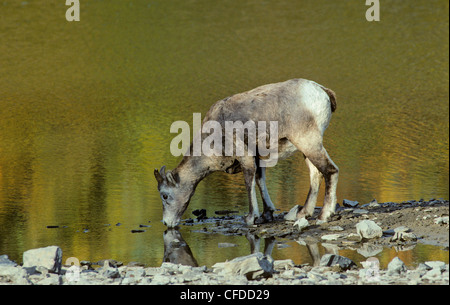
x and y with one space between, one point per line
177 251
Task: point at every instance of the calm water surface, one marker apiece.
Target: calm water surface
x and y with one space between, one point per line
86 107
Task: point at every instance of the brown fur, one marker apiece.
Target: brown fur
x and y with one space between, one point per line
332 96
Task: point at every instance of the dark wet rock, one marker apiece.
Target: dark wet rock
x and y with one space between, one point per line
329 260
111 263
109 271
138 231
373 204
200 213
225 212
349 203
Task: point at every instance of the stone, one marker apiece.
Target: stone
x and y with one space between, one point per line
436 265
330 237
336 228
368 229
111 263
316 277
360 211
396 266
404 236
136 272
51 279
48 257
402 229
301 224
292 214
5 261
108 271
285 264
432 274
160 280
441 220
252 266
350 204
373 204
200 213
329 260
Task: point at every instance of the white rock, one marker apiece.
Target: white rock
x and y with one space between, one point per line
441 220
374 204
396 266
48 257
301 224
432 274
292 215
360 211
251 266
436 265
368 229
330 237
402 229
284 264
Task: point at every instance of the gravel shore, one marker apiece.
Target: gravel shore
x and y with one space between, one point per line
283 273
363 226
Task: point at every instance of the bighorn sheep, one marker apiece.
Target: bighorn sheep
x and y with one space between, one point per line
303 111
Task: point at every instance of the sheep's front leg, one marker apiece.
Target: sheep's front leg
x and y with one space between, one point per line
269 207
249 170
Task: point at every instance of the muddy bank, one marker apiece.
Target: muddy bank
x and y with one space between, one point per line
402 224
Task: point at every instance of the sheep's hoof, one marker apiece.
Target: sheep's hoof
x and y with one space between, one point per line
264 218
250 219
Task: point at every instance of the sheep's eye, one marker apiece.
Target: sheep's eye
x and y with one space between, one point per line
165 196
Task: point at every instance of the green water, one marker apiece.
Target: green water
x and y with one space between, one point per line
86 108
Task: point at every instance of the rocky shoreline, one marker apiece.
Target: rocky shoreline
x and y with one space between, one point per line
365 227
254 269
420 221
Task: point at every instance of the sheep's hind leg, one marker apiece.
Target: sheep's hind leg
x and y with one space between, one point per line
315 177
312 147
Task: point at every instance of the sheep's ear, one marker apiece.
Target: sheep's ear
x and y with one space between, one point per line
163 172
158 176
177 178
171 179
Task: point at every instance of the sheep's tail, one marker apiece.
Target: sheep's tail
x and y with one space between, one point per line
332 96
